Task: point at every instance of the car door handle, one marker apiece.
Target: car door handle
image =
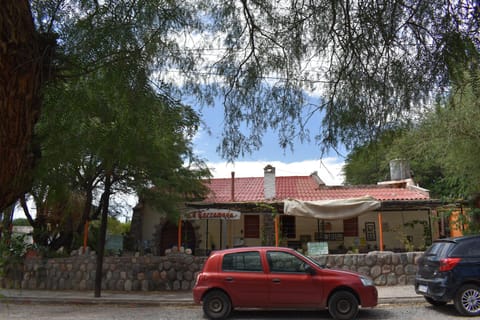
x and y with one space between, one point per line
229 279
276 280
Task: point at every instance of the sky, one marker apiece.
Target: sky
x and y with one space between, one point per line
304 159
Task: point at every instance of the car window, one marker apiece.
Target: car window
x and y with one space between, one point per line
439 249
467 248
279 261
242 261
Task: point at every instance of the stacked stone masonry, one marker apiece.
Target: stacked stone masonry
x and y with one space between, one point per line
177 271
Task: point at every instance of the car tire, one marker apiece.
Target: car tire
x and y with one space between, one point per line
435 303
343 305
216 305
467 300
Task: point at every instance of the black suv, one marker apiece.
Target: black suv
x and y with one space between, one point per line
450 270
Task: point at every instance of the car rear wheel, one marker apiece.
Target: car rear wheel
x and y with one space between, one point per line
467 300
343 305
435 303
217 305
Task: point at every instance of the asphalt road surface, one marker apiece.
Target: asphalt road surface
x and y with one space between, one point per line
12 311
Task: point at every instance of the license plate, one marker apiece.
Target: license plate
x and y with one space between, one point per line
422 288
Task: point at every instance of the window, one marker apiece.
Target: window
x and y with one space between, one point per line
288 226
284 262
467 248
439 249
251 226
350 227
370 234
242 261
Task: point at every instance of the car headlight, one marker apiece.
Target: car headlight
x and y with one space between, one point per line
366 281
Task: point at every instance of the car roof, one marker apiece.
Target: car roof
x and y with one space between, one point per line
458 239
257 248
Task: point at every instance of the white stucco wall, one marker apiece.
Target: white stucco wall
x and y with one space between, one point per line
393 230
151 218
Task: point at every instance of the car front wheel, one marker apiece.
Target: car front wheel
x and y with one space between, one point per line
343 305
217 305
467 300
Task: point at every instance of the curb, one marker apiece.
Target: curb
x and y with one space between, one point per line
400 300
95 301
147 302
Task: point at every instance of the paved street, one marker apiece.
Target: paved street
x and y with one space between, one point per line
12 311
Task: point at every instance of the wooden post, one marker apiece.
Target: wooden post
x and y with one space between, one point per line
380 230
276 230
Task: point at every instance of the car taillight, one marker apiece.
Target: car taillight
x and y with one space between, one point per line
448 264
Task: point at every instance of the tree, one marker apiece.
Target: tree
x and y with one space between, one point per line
373 64
443 144
118 136
64 40
368 164
448 135
25 59
105 127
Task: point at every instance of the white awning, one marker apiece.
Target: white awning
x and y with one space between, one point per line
331 209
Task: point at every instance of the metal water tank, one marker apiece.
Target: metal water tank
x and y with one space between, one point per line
399 169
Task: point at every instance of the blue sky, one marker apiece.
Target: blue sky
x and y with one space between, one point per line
304 159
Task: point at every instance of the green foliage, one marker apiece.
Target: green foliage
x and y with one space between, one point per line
447 140
368 164
405 238
12 252
473 221
442 146
373 63
108 116
115 109
116 227
21 222
467 220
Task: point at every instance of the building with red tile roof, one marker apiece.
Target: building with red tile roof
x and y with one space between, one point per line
250 211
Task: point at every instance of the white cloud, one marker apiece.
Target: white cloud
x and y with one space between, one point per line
328 169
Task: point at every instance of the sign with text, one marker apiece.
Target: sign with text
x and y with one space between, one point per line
317 248
222 214
114 242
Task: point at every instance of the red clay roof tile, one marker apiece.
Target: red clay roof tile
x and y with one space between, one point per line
302 188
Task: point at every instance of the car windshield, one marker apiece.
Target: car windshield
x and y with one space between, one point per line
312 261
439 249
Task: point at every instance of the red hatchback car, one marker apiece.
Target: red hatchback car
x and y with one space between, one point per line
274 277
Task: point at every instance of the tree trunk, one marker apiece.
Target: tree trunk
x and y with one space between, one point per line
24 56
102 236
6 224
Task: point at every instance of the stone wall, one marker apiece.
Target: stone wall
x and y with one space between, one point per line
385 268
177 271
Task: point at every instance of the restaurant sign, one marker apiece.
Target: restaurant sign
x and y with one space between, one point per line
222 214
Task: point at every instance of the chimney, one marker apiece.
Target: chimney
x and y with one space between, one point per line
317 179
269 182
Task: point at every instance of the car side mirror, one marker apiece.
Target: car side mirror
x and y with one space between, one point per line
309 270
